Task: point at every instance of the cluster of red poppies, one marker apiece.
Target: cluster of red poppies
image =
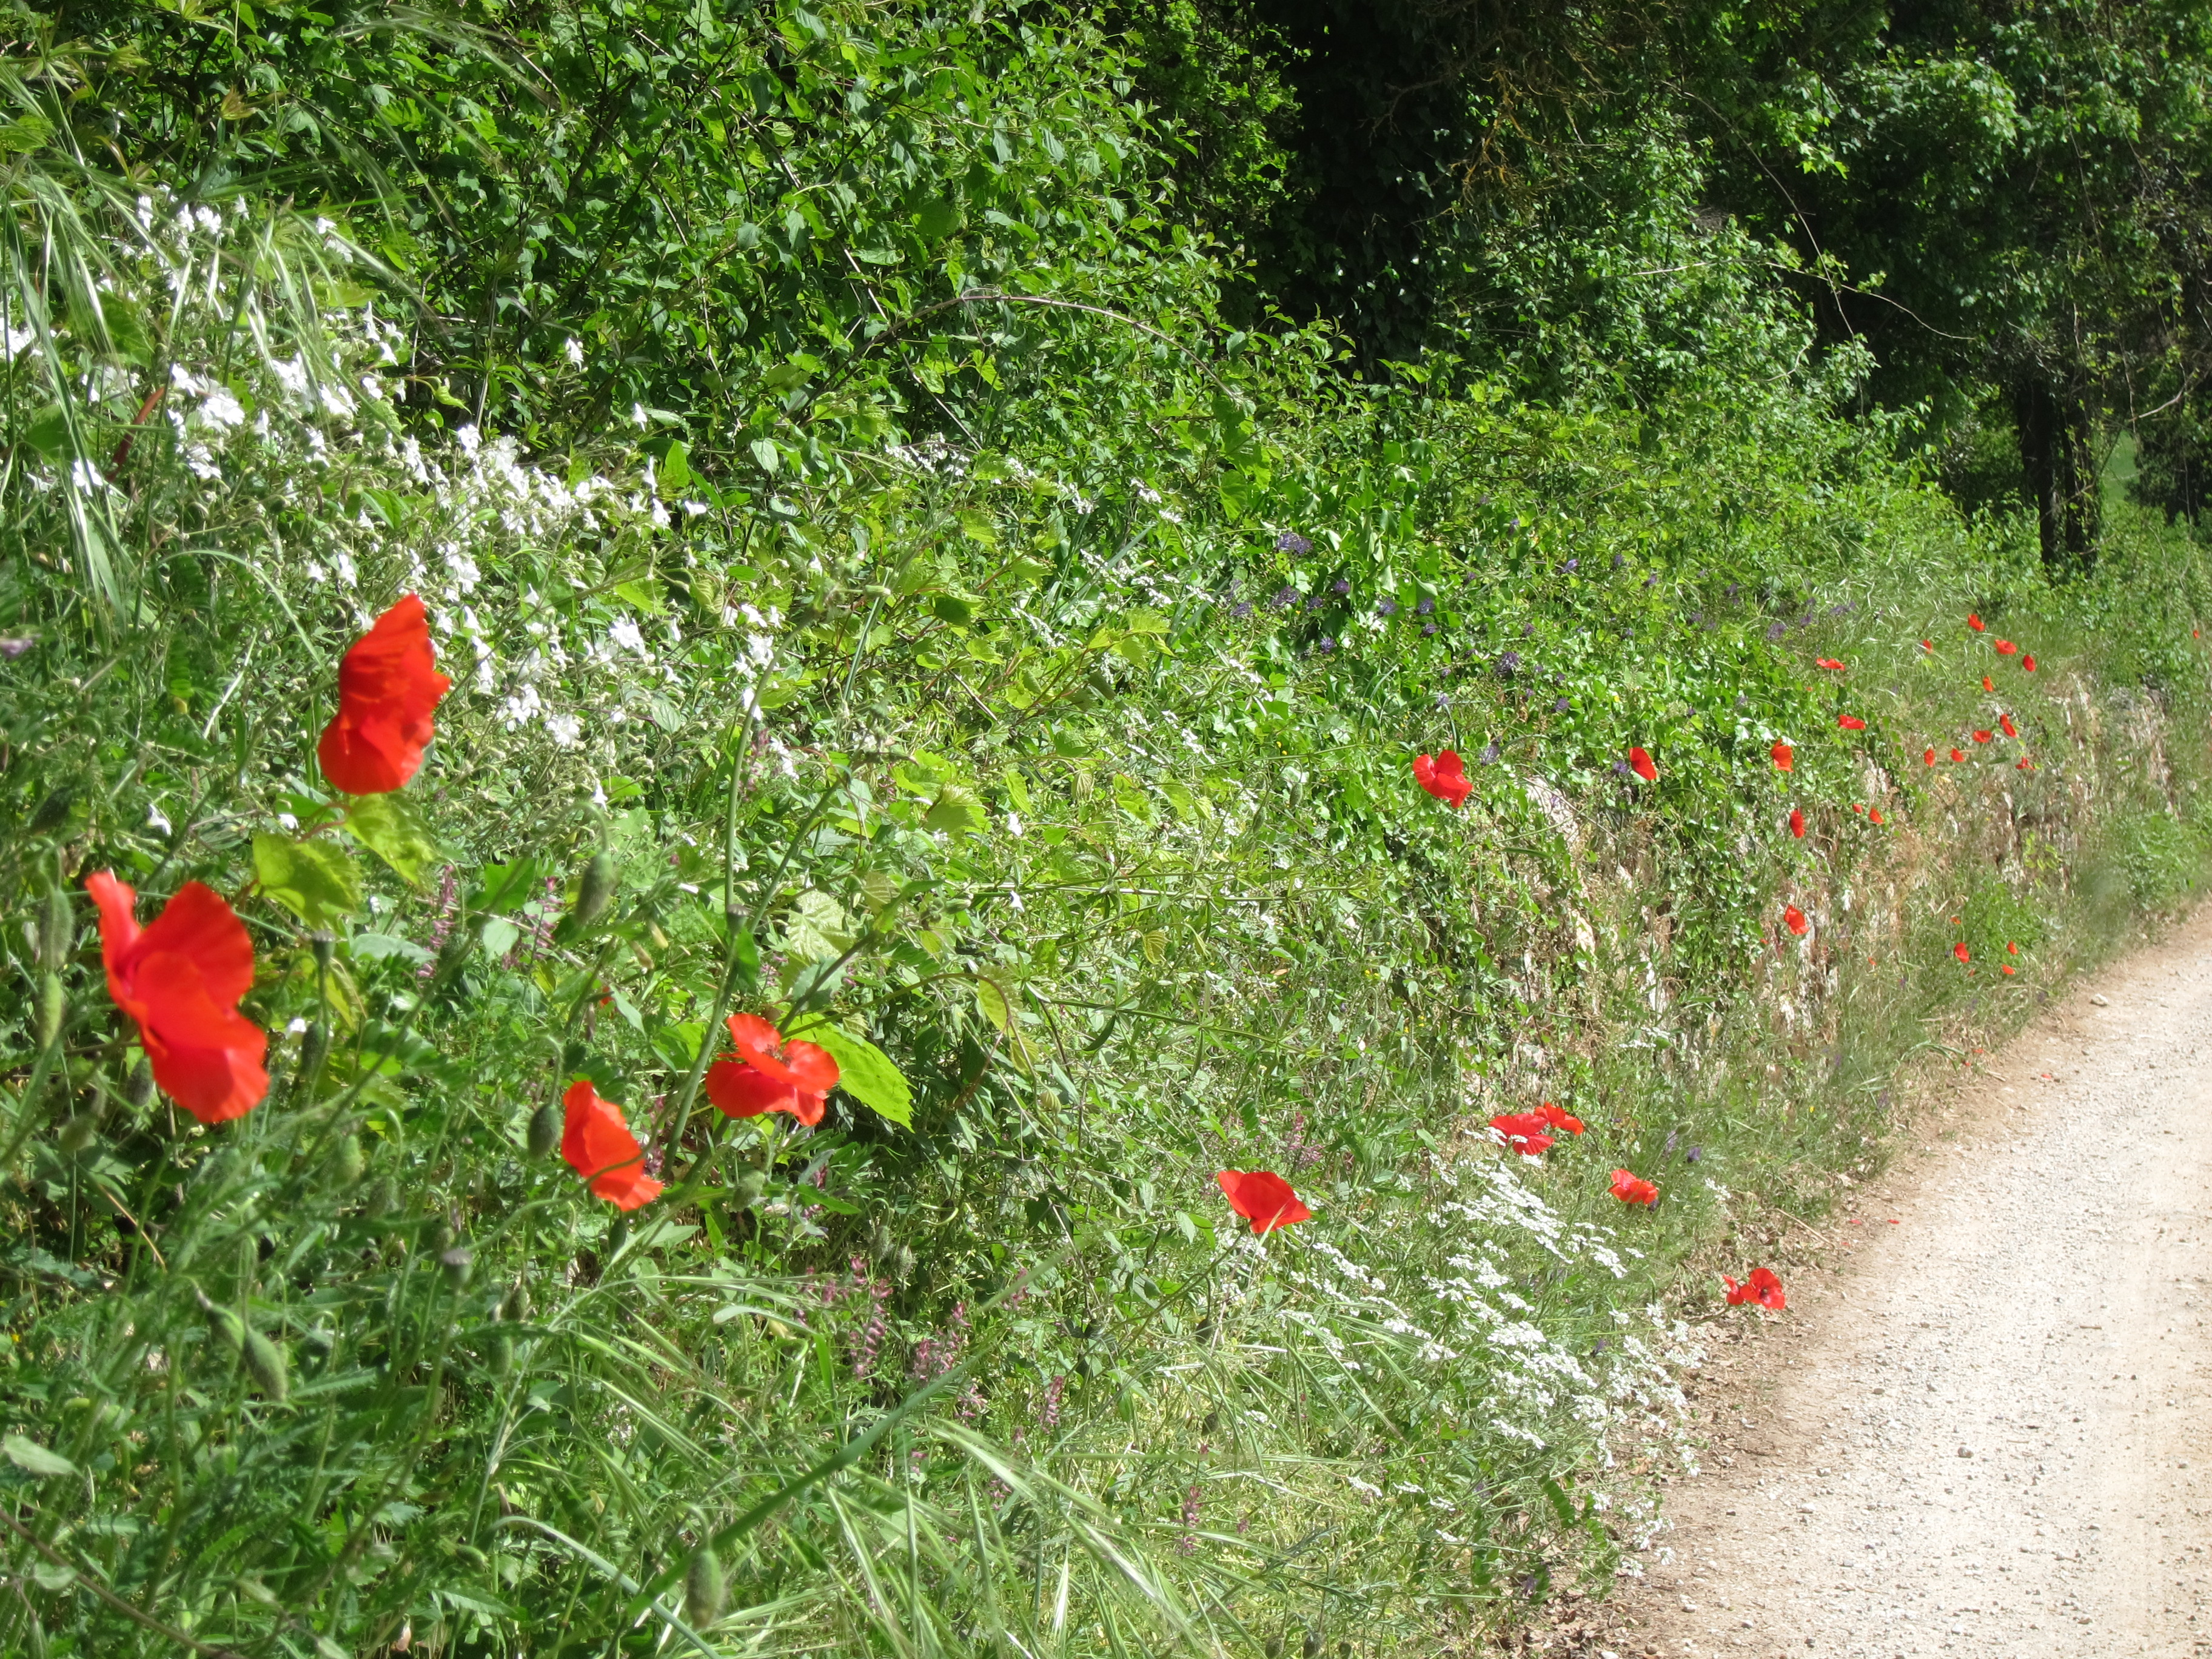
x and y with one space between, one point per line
181 978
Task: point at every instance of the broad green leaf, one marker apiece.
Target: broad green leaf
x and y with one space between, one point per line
389 826
993 1001
938 219
864 1072
956 810
675 474
313 879
34 1459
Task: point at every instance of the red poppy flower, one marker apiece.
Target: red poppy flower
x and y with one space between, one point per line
1982 736
1444 776
1874 817
1975 623
2004 722
1629 1189
1525 1131
1794 919
1850 722
1641 764
1762 1287
1785 757
2012 948
1961 952
1559 1119
1988 684
1797 822
600 1147
2023 764
2004 968
388 685
1859 807
180 979
2028 664
1262 1197
770 1075
1957 757
1926 645
1929 758
1828 662
2007 649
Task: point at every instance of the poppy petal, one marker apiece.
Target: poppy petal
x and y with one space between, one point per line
1785 757
1262 1197
738 1089
1642 765
1797 822
1794 919
388 687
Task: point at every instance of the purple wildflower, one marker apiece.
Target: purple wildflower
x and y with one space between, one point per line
1507 662
1619 560
1527 630
1572 565
1560 707
1620 767
1650 579
1386 607
1696 1154
1776 630
1340 586
16 647
1283 596
1049 1413
1327 644
1241 611
1291 542
1490 753
1189 1541
1424 607
1428 630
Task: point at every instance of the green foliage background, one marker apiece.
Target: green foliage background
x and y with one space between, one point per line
859 494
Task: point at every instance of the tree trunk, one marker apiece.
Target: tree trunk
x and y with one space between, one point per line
2058 470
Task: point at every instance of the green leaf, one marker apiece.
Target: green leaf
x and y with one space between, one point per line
675 473
392 828
992 1000
34 1459
25 134
313 879
956 810
938 219
864 1072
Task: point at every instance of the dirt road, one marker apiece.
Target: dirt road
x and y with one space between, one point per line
1987 1432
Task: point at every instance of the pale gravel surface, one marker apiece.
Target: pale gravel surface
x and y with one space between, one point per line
2041 1306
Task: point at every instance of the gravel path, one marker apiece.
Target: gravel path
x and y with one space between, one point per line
1987 1432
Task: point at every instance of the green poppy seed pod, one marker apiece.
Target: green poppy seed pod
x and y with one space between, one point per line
325 949
76 1133
57 931
138 1090
514 1307
459 1262
596 887
750 1187
52 1005
1311 1646
264 1364
347 1162
1274 1647
545 1133
501 1357
441 1237
706 1592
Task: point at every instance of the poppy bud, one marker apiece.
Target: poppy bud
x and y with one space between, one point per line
223 1324
502 1354
383 1198
53 1006
544 1132
514 1306
594 890
76 1133
750 1188
264 1364
1311 1647
441 1236
458 1262
706 1594
138 1089
326 948
1274 1647
52 812
57 931
902 1264
881 1244
347 1162
314 1048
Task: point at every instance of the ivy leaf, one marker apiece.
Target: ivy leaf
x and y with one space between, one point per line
864 1072
392 828
313 879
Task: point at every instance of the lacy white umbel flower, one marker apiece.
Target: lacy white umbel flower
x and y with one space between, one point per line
573 350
